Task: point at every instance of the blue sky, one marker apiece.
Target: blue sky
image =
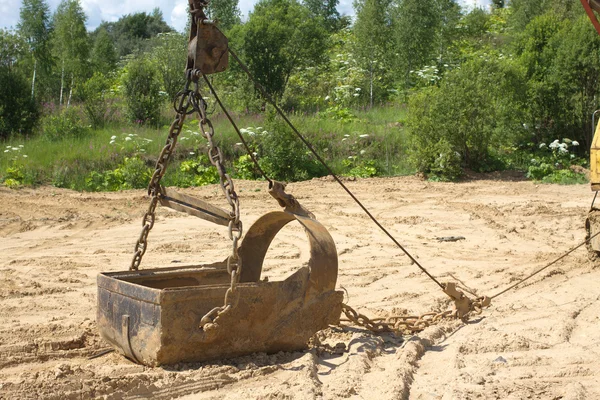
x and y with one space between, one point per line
173 10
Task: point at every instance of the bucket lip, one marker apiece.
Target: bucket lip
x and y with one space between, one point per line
109 281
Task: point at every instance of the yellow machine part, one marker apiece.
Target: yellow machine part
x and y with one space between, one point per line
595 161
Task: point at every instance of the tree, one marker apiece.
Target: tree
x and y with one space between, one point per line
34 26
417 24
279 37
169 55
372 29
71 44
327 10
130 32
142 91
104 55
18 111
577 72
226 12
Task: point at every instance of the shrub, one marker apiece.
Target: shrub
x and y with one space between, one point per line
132 173
66 124
476 108
142 91
97 99
284 157
18 111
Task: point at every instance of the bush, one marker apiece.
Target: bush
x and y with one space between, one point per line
475 109
142 91
284 157
18 111
132 173
97 99
66 124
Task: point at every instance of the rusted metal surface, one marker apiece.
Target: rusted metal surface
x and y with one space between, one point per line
153 316
193 206
409 324
593 227
207 46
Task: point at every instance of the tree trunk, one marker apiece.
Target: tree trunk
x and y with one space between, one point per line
371 85
70 91
62 83
33 80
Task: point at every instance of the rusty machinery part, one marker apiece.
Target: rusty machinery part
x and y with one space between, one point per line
409 324
145 319
207 46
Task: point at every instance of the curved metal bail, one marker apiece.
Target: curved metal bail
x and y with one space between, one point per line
323 262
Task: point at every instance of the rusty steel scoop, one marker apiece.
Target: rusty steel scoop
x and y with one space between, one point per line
153 316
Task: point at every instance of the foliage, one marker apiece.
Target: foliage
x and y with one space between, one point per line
196 172
142 91
475 108
278 38
168 54
226 12
130 32
104 55
68 123
70 41
553 162
98 99
18 111
132 173
283 156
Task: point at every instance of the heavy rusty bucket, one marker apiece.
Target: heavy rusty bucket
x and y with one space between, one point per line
153 316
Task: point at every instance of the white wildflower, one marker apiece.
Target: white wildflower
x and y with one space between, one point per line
567 140
7 151
113 137
127 139
563 150
554 145
346 135
575 143
192 153
327 98
363 151
21 146
238 144
363 136
15 149
542 145
24 155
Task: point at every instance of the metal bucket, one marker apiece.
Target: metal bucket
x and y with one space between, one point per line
153 316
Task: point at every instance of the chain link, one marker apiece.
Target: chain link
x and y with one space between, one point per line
409 324
234 229
182 103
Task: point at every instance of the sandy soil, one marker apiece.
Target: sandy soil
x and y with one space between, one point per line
540 341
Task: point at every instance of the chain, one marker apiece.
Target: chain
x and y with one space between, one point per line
181 104
234 229
409 324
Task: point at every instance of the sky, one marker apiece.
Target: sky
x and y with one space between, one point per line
173 10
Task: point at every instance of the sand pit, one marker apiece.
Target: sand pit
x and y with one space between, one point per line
540 341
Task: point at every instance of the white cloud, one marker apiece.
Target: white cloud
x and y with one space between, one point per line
174 11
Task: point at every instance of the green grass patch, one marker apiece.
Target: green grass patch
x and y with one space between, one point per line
371 143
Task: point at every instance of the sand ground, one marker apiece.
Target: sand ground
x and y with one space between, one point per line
540 341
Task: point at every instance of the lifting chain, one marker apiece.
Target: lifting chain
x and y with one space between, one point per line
409 324
186 102
234 229
182 103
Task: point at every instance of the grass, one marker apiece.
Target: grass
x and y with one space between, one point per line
376 135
